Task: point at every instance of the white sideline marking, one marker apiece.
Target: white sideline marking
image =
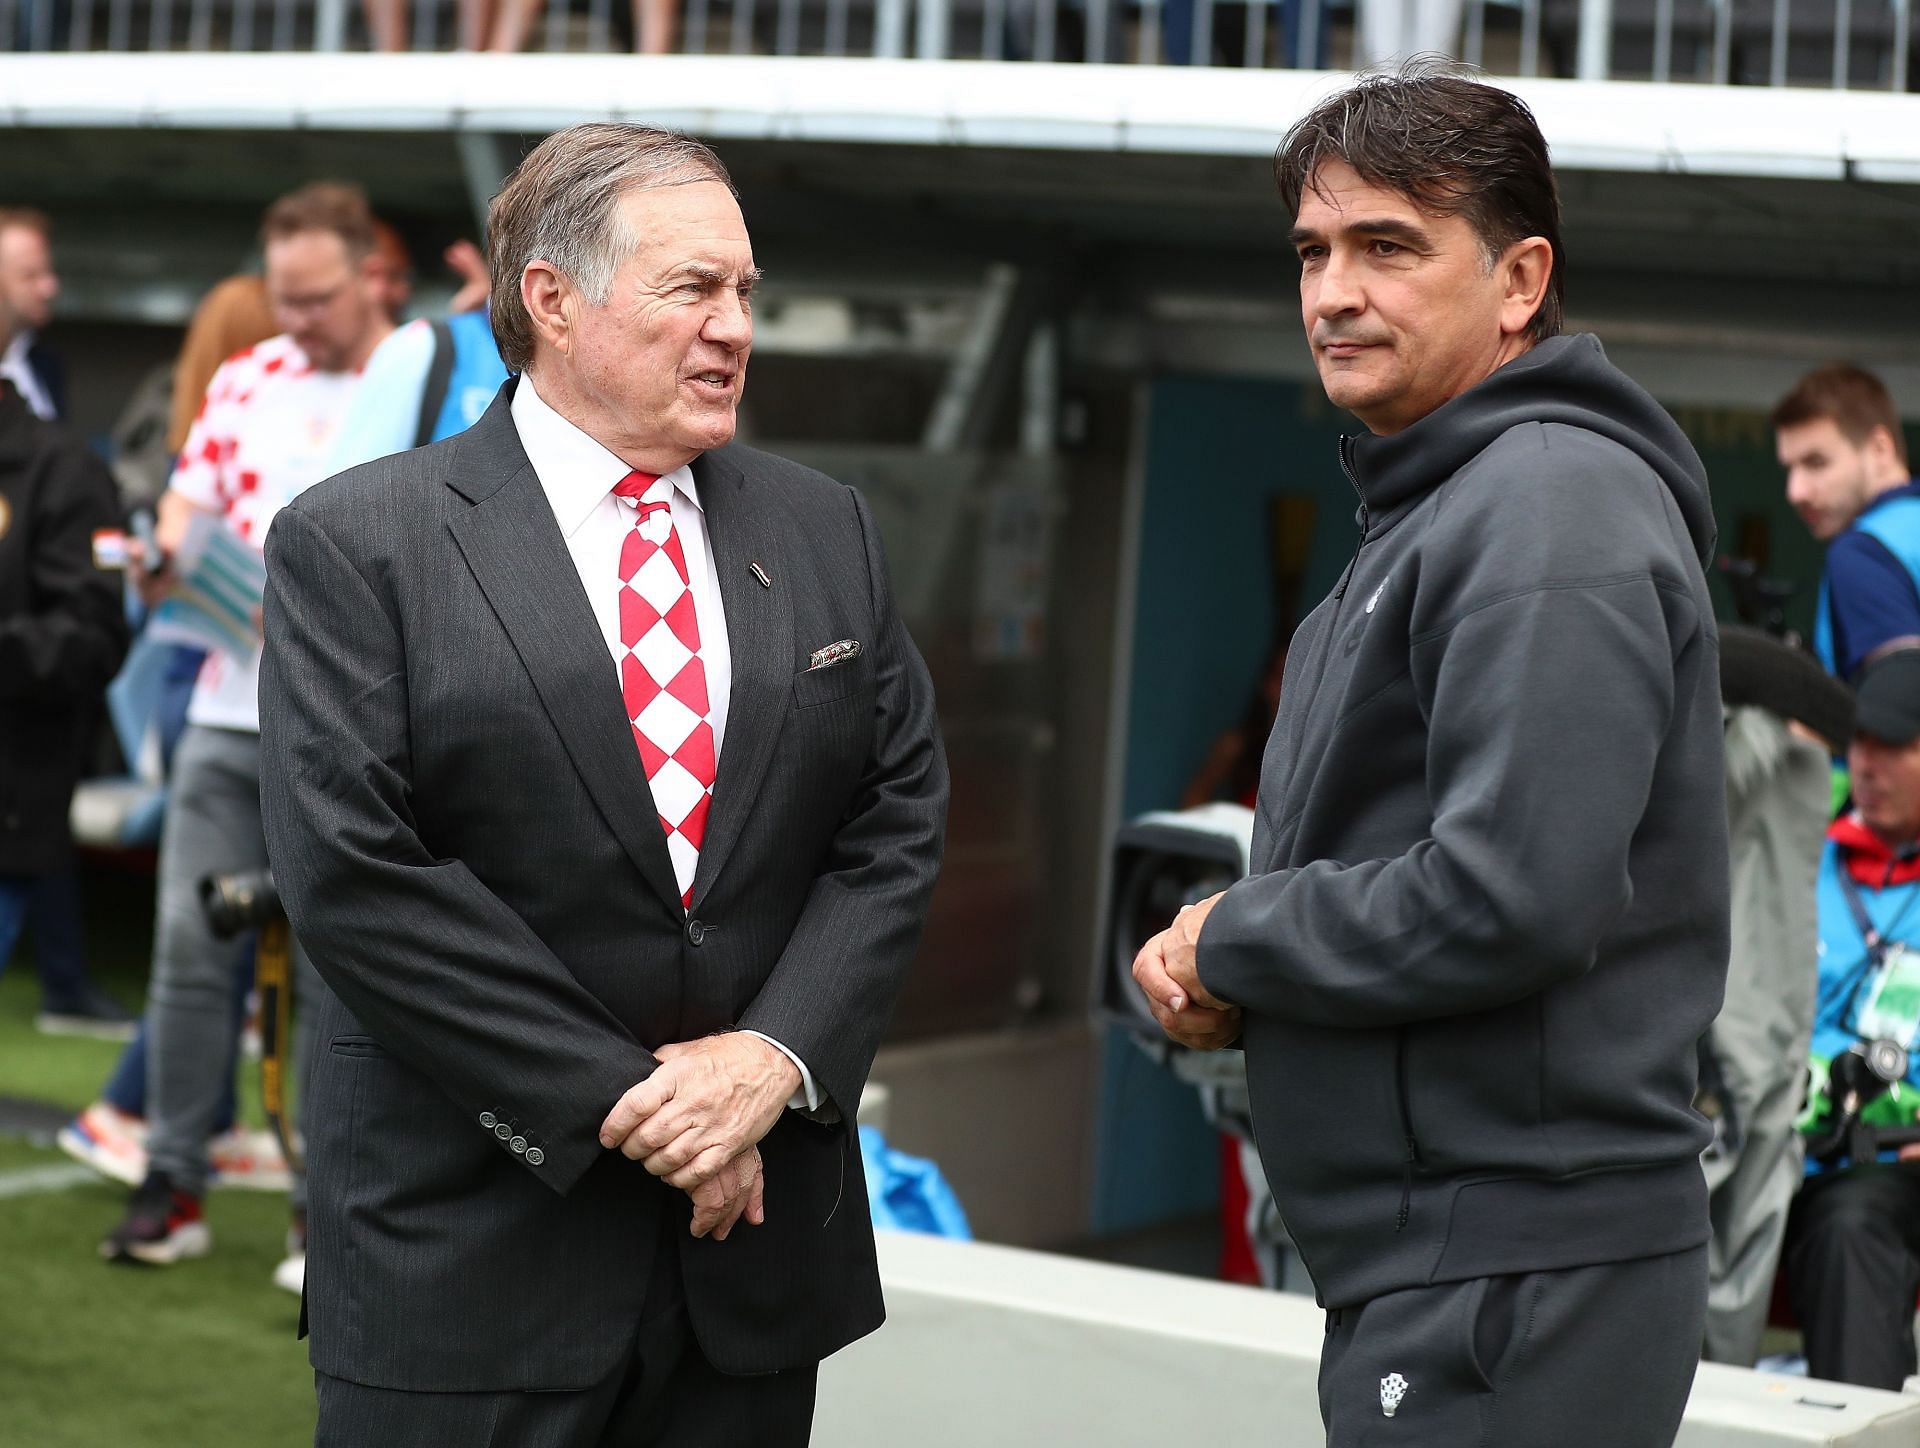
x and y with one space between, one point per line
33 1179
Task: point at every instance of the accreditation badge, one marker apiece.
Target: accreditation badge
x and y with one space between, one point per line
1892 1008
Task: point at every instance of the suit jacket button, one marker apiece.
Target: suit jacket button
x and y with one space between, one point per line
518 1146
502 1130
489 1120
535 1156
696 932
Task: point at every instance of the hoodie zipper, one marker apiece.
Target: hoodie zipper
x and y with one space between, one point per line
1412 1157
1346 466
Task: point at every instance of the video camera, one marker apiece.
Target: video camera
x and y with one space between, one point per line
1757 600
1162 862
238 903
235 904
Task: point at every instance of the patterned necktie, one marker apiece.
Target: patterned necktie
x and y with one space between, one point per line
661 675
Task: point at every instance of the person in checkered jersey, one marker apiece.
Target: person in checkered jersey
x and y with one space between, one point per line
604 784
263 434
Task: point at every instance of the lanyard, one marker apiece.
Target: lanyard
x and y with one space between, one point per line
1876 942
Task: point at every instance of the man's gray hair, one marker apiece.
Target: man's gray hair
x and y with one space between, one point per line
561 205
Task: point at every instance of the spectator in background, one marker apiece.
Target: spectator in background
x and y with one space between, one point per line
62 635
1752 1060
28 286
110 1134
505 26
426 382
395 263
235 315
270 421
1840 441
73 1005
1853 1239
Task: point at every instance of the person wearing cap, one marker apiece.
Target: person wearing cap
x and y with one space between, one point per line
1853 1237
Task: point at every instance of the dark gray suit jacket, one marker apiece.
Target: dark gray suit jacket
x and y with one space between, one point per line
462 832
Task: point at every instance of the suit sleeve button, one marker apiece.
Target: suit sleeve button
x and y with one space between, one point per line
489 1120
535 1156
502 1130
518 1145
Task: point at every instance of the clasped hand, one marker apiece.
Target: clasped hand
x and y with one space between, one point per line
1168 974
697 1120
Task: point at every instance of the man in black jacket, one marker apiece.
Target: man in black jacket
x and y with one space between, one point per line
603 782
1487 919
62 635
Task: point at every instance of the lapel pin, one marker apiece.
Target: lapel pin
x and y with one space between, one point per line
761 574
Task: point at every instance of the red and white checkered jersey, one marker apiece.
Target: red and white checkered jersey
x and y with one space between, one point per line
264 435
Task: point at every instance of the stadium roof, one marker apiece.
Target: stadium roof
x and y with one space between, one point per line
1606 126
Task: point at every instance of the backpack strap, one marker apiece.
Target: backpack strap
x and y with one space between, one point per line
439 376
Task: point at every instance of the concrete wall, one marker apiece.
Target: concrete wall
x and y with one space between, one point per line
1009 1118
991 1345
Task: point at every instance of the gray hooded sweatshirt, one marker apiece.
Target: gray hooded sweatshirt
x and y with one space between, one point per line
1487 919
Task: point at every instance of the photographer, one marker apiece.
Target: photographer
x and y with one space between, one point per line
1853 1239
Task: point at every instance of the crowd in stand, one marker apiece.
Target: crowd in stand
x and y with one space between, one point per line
286 377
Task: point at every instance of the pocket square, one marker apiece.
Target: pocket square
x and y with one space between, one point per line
833 654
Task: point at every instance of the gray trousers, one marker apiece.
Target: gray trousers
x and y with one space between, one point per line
1591 1355
212 828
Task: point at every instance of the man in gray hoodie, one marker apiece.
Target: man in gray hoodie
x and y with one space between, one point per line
1487 918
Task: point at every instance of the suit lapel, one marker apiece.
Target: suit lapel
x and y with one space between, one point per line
519 559
760 643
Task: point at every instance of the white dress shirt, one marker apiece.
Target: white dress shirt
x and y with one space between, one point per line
578 476
14 368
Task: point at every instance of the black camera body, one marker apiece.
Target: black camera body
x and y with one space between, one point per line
1859 1076
235 904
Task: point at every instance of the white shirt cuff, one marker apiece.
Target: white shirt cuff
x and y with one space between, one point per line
807 1098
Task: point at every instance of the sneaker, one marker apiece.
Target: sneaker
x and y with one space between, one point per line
250 1159
162 1226
94 1013
109 1140
291 1274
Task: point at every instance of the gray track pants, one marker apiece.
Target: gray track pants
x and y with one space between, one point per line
212 828
1595 1355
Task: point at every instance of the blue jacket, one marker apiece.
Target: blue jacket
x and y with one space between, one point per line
1868 593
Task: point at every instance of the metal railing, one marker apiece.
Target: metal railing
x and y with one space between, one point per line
1841 44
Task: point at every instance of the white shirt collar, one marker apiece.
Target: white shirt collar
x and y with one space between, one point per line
575 470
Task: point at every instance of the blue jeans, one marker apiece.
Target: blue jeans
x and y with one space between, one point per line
126 1088
50 906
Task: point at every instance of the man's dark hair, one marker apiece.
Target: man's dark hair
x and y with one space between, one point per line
1451 145
1850 397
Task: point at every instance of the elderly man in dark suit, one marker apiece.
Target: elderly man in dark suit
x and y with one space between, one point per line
603 783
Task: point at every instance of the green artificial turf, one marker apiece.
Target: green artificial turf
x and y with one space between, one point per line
64 1070
93 1355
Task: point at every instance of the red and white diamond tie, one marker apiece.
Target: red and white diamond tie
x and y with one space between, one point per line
661 675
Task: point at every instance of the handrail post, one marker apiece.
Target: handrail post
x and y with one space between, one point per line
1596 39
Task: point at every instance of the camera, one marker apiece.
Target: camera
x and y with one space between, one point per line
240 902
1163 862
1858 1076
